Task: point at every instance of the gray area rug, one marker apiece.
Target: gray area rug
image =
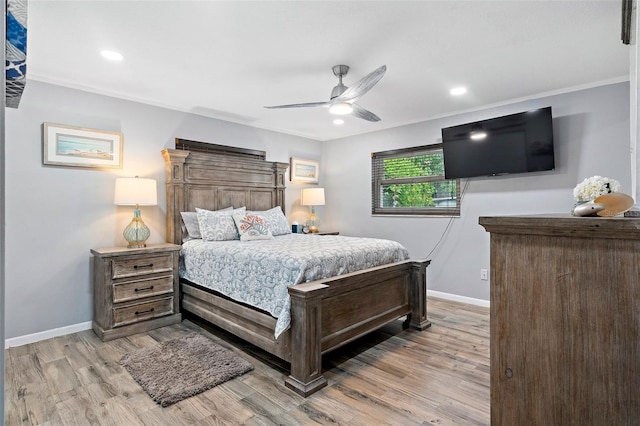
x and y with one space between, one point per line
180 368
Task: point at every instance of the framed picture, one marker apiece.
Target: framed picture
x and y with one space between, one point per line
304 171
78 147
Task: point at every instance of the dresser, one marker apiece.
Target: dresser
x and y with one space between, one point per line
565 320
134 290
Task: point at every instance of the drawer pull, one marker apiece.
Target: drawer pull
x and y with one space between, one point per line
143 266
144 312
143 289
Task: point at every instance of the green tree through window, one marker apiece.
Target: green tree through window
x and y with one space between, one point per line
411 181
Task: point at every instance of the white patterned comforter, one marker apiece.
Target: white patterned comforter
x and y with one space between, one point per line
258 272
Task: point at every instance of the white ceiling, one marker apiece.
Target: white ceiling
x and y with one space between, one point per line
227 59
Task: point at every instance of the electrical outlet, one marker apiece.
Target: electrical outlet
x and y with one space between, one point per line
484 274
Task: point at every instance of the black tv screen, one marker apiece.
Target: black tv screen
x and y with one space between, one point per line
515 143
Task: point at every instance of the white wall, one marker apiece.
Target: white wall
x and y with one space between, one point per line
55 215
591 132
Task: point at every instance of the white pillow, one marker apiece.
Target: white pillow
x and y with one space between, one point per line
218 225
276 220
252 226
190 222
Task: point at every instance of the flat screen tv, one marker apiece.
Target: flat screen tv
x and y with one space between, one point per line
515 143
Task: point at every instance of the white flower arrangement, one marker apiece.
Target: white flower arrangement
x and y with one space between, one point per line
595 186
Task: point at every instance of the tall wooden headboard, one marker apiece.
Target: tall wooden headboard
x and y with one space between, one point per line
213 177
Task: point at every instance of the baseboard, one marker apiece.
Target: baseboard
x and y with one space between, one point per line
62 331
43 335
456 298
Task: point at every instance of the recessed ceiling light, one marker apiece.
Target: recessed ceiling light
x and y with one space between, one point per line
111 55
457 91
338 121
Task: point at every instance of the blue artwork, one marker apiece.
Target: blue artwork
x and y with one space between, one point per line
16 53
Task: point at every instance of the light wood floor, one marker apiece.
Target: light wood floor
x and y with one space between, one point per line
438 376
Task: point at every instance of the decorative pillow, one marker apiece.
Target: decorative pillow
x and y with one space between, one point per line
185 233
218 225
190 223
252 227
276 220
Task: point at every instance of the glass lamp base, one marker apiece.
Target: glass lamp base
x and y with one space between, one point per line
137 245
136 233
313 223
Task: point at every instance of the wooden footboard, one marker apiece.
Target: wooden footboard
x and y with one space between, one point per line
329 313
325 315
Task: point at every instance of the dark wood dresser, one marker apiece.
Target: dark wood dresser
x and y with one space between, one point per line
565 320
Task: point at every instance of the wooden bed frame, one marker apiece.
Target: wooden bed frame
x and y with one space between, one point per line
325 314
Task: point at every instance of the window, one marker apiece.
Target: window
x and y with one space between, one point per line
411 181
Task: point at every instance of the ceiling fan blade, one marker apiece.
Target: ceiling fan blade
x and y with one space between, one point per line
362 86
365 114
305 105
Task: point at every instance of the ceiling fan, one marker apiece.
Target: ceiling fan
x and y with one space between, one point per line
343 98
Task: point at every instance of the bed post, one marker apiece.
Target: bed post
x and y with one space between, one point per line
306 322
418 296
280 170
174 162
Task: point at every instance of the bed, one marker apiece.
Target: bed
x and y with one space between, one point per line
322 318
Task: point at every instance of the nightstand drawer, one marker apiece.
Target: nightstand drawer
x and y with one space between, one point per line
142 311
144 265
132 290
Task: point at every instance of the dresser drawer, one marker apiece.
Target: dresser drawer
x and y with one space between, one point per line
132 290
124 268
136 312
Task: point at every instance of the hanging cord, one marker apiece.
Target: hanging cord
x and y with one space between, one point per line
448 227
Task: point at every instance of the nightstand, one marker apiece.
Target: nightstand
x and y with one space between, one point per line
135 290
324 233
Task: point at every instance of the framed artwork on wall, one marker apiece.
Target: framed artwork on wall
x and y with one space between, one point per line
71 146
304 171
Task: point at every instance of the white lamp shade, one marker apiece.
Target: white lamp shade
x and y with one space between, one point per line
313 197
135 191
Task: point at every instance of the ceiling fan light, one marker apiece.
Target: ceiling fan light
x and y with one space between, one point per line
341 108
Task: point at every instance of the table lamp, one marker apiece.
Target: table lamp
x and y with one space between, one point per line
136 192
313 197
